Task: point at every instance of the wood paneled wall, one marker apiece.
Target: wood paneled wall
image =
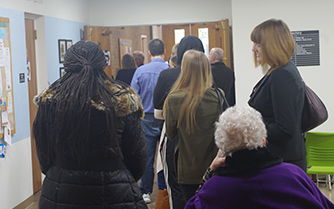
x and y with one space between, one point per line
113 34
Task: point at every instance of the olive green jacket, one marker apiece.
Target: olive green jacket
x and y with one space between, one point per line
193 153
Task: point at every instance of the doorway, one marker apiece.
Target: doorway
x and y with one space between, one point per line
212 34
32 89
101 36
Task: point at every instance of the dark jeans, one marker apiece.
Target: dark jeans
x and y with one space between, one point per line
175 188
152 136
161 181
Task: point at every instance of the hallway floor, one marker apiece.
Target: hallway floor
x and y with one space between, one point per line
32 202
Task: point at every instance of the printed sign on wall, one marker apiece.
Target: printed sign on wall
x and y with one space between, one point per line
307 48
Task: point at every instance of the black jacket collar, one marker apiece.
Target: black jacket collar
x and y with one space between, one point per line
218 63
245 161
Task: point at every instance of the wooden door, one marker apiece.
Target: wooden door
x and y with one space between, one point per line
101 36
144 48
32 89
218 35
168 36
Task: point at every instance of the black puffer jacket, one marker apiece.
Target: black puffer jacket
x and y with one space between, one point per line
103 180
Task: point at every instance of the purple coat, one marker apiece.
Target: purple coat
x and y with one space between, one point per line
281 185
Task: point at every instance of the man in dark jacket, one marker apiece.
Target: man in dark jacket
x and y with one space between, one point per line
165 82
222 75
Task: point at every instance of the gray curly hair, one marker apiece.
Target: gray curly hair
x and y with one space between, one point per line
238 128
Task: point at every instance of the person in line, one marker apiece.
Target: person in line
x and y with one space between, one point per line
191 109
222 75
89 138
165 81
143 82
173 61
139 58
279 95
174 49
173 64
245 174
161 157
128 69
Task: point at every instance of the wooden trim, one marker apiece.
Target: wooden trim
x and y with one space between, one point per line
32 89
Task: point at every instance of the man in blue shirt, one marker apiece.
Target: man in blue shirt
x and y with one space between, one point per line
143 82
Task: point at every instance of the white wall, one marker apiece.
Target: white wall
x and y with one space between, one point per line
41 58
299 15
149 12
15 169
16 175
74 10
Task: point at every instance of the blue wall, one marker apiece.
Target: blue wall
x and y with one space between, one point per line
58 29
54 29
20 90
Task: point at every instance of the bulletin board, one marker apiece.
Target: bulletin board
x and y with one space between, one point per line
7 125
125 47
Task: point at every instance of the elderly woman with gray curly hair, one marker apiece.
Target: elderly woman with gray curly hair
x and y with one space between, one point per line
245 174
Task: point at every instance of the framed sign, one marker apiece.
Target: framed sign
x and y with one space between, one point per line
307 52
62 71
68 44
62 49
125 47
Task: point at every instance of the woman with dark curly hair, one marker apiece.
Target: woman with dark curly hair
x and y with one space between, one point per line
88 136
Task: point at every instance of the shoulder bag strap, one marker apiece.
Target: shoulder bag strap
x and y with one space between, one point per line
220 96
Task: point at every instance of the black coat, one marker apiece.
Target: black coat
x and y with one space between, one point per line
125 75
168 77
223 78
279 97
104 180
165 82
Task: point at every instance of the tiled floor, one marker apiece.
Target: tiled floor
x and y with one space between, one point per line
329 194
32 202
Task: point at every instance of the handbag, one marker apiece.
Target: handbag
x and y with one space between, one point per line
314 111
220 96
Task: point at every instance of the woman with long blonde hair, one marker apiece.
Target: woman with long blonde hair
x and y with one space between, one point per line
191 110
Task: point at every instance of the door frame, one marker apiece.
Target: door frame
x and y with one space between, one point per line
219 36
32 90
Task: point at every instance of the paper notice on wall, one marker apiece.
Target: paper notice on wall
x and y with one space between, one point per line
4 114
8 78
0 83
3 33
9 102
2 53
107 56
7 134
4 118
7 69
6 56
